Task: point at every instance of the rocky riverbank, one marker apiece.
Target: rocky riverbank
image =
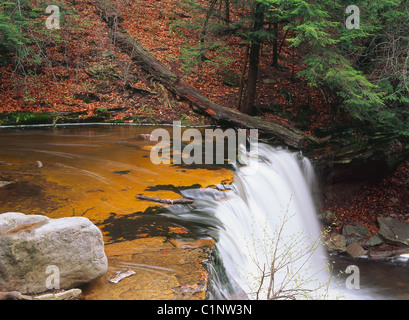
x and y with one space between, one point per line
367 215
44 259
357 240
38 254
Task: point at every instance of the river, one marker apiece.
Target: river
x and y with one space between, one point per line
96 171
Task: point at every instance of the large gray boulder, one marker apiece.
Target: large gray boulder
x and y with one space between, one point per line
357 232
38 253
394 231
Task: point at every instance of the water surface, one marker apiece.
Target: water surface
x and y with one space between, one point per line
96 172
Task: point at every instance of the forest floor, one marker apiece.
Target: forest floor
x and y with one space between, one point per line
364 203
85 73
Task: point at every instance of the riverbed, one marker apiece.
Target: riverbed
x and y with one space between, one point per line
95 171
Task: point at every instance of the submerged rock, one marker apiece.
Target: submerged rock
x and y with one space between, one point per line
38 253
162 271
147 137
121 275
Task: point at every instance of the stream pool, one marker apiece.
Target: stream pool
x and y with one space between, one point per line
95 171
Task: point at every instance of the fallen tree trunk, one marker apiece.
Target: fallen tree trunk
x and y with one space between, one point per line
286 134
166 201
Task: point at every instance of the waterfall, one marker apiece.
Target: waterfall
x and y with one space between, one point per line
267 235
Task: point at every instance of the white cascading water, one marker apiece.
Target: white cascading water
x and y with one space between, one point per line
268 236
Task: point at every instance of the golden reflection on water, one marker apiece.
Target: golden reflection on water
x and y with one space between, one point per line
94 172
89 172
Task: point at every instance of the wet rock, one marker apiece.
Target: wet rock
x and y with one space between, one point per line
355 250
384 251
327 216
354 233
38 253
147 137
13 295
373 241
335 242
5 183
73 294
394 231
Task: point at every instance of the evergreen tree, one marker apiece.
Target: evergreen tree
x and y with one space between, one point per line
350 62
364 69
16 19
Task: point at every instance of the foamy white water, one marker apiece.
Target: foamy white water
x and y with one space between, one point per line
268 237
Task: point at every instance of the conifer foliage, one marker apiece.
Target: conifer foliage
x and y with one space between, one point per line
16 19
362 69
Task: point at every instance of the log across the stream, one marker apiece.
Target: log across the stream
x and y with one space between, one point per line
286 134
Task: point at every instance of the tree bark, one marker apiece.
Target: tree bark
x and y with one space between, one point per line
275 45
243 74
254 59
204 31
252 79
227 12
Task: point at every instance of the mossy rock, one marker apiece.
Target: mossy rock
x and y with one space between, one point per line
232 79
26 118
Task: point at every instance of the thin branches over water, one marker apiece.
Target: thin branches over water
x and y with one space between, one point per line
289 264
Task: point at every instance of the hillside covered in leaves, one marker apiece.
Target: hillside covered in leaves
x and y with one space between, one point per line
291 61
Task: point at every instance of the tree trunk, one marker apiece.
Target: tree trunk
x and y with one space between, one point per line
227 12
243 74
254 59
252 78
204 31
165 201
275 45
